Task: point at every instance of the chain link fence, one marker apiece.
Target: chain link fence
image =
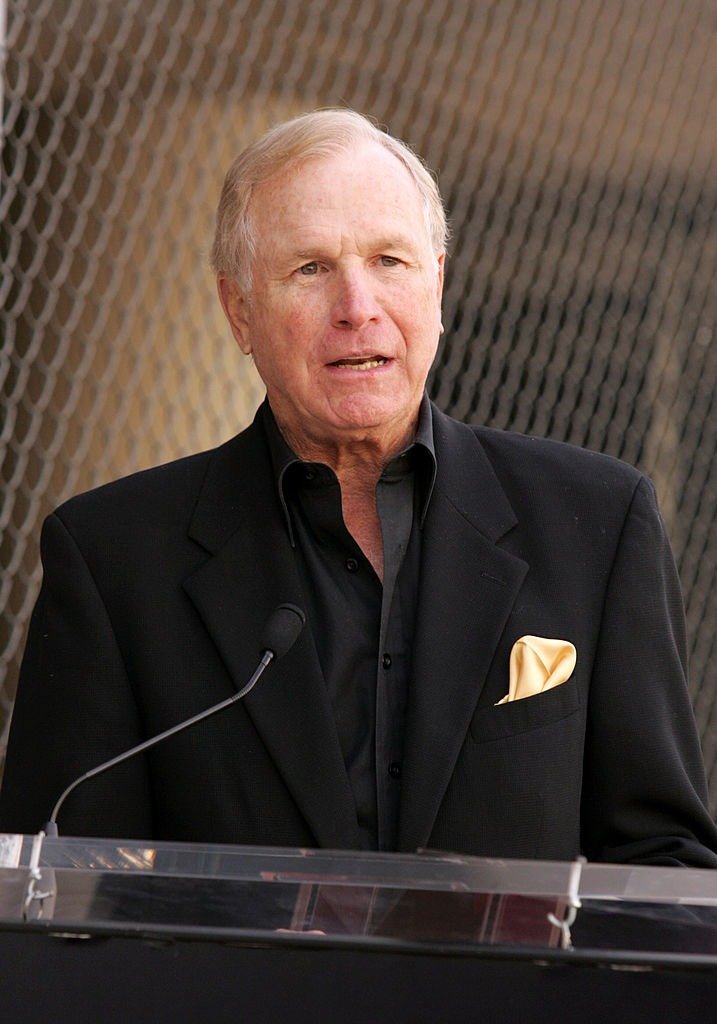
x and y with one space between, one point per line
575 147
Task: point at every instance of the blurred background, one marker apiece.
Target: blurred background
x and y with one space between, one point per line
575 148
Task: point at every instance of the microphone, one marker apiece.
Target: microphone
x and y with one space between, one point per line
280 634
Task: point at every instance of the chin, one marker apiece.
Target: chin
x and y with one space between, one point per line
371 420
373 411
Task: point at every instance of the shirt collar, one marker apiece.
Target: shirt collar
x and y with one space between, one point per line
421 450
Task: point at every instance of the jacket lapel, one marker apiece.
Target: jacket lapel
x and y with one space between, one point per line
467 589
251 570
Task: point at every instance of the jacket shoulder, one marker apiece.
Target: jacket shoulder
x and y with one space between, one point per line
166 494
539 462
160 487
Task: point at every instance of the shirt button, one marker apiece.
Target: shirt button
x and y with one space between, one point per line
394 770
351 564
386 661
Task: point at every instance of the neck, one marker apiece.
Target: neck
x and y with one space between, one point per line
360 512
358 464
356 461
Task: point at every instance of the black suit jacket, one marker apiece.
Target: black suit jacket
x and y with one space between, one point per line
155 593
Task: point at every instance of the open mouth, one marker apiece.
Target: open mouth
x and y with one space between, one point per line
359 363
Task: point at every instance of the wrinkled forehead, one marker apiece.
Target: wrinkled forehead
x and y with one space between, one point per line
364 183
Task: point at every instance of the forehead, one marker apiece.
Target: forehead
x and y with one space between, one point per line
363 189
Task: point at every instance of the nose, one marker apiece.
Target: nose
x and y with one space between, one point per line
356 304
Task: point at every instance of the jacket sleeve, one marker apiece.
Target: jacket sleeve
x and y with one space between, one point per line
644 792
74 709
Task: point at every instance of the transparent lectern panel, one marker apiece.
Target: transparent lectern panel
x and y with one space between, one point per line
424 898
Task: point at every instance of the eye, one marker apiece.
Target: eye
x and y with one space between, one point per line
389 261
309 269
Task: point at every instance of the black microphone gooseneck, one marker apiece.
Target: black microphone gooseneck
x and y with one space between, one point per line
280 634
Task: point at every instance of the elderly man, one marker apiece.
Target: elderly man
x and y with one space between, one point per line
494 656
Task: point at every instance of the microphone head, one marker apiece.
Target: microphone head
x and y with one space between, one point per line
282 629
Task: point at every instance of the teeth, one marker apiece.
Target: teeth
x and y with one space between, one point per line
362 364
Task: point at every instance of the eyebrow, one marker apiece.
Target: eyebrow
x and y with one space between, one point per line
394 242
386 242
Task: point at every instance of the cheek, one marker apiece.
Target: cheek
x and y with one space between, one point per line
420 354
285 350
282 333
420 307
421 328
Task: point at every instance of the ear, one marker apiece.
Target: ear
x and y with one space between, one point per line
234 304
441 259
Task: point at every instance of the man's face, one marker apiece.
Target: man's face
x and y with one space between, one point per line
343 317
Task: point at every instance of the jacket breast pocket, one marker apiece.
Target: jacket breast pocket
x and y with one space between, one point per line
503 720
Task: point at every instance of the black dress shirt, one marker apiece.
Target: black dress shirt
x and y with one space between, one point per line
362 629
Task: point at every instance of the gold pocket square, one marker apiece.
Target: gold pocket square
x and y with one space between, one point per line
538 663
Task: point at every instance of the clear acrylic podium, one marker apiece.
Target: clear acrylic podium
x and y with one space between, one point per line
181 931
